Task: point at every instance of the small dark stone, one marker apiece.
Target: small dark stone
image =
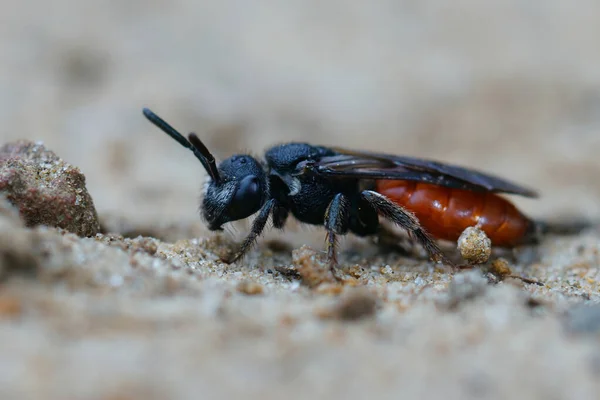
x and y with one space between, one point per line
358 304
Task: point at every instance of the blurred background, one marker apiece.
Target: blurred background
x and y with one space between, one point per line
510 87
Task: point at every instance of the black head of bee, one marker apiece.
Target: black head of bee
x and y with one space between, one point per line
236 189
239 192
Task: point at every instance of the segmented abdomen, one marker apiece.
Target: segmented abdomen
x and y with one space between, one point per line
445 212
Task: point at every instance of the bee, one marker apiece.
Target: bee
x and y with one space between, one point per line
348 191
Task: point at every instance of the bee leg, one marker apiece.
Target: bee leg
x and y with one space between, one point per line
406 220
257 227
336 222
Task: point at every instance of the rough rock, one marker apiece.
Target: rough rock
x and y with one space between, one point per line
46 189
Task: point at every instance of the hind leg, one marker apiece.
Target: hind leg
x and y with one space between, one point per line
336 223
406 220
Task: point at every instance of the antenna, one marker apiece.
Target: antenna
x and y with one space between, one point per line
194 143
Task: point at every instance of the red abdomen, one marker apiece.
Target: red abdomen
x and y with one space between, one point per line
445 213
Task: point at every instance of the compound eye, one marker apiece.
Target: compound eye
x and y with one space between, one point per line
248 189
247 199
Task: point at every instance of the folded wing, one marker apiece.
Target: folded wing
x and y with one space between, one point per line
367 165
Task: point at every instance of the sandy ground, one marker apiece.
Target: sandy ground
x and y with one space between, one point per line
510 87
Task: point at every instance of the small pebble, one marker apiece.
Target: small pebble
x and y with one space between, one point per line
474 245
312 270
500 268
250 288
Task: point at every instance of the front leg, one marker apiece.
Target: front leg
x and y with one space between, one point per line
336 222
406 220
257 227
